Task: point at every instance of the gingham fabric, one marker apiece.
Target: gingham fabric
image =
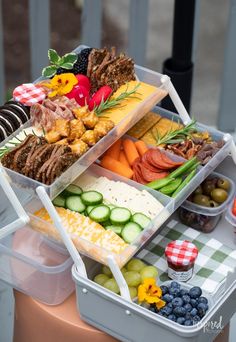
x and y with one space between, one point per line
213 262
29 94
181 252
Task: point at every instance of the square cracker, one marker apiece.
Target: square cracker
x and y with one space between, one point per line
144 125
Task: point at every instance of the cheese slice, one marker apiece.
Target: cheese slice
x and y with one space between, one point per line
136 102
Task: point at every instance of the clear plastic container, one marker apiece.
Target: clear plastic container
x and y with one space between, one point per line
144 75
95 252
231 219
35 266
203 218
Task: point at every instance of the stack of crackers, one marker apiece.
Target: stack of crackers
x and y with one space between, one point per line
151 126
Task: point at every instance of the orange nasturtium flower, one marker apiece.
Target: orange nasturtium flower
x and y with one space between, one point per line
150 293
61 84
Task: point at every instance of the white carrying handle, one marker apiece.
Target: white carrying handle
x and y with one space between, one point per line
23 218
124 289
63 233
168 85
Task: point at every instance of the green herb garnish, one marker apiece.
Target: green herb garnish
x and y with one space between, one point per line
112 102
176 136
66 62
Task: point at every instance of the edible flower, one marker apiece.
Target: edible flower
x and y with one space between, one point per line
61 84
150 293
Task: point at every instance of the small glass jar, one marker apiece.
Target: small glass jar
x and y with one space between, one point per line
181 256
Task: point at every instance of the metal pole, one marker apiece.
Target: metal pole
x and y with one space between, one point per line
138 28
92 23
227 115
39 21
180 66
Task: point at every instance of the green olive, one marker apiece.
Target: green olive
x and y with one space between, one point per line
219 195
223 184
201 200
213 204
207 187
198 191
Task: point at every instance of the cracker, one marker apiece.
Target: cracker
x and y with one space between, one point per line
144 125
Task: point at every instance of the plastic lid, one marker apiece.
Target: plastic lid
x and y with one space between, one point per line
181 252
29 94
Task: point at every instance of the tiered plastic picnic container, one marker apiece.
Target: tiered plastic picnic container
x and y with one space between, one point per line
42 267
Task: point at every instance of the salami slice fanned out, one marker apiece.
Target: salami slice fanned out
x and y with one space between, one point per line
150 176
170 161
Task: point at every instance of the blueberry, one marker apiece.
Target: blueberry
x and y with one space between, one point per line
179 311
183 292
202 308
152 309
180 320
172 317
188 307
188 322
193 302
186 299
170 305
196 319
193 312
174 291
188 316
175 284
178 301
168 298
164 289
195 292
202 300
165 311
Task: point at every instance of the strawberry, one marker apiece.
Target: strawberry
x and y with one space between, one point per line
83 81
80 94
102 94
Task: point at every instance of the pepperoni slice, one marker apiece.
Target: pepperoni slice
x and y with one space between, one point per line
156 160
170 161
150 176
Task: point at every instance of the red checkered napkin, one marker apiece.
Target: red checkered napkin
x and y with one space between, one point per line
29 94
181 252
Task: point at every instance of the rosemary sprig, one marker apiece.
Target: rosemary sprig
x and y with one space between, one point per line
176 136
115 101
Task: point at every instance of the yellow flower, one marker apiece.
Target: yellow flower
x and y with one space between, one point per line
149 292
160 304
61 84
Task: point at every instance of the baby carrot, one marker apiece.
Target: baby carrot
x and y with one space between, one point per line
141 147
115 166
130 151
114 150
123 159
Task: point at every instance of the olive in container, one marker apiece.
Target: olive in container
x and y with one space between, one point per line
204 208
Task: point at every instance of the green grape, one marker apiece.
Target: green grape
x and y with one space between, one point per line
133 292
106 270
123 270
111 285
135 265
101 279
132 278
148 272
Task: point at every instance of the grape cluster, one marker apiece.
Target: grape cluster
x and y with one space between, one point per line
182 306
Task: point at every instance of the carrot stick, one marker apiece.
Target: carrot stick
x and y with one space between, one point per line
115 166
130 151
141 147
114 150
123 159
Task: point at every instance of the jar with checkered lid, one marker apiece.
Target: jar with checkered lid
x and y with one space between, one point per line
181 256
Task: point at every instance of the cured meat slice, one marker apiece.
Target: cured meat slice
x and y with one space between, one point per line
150 176
154 157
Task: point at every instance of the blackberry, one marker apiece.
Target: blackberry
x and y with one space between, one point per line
80 66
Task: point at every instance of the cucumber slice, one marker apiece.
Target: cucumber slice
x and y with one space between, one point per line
120 215
111 206
116 229
72 189
75 203
141 219
89 208
59 201
100 213
91 197
130 232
